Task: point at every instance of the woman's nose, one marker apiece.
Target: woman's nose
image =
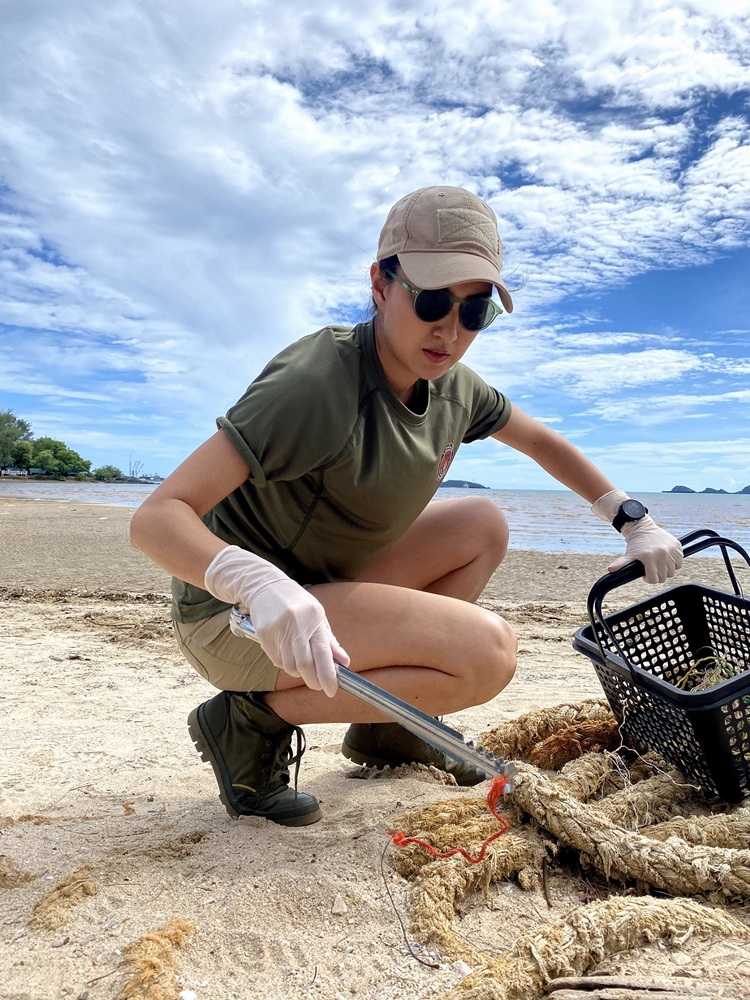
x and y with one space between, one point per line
449 327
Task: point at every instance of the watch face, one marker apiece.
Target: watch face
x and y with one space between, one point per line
633 509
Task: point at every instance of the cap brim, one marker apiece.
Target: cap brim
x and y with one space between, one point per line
440 269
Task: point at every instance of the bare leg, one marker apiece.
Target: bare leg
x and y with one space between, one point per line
453 548
407 623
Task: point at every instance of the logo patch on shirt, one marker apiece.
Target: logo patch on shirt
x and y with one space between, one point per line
445 461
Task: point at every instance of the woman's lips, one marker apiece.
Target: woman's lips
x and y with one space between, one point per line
436 357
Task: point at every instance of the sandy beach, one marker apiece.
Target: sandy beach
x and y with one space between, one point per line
101 782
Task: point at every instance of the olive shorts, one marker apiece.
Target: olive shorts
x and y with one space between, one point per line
224 659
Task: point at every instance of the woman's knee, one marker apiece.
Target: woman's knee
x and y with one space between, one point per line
489 526
495 663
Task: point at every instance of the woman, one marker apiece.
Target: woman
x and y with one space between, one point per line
309 508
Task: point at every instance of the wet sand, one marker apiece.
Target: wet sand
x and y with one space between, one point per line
47 544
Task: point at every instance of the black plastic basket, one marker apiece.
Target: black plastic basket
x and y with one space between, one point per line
643 652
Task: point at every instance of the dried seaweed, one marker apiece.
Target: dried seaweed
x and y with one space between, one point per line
152 962
53 909
12 876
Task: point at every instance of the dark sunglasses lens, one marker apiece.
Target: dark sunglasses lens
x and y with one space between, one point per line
476 314
432 304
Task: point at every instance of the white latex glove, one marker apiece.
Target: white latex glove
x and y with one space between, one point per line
658 550
290 623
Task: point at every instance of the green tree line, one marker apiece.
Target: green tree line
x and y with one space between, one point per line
19 449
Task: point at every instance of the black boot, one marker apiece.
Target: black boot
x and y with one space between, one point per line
249 747
387 744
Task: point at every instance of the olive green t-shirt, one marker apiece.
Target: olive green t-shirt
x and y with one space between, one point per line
339 466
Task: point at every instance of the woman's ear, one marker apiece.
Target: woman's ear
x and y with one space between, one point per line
379 285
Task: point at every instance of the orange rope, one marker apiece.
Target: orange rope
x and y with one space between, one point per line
495 794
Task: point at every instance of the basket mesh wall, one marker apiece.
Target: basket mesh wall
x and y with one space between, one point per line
665 636
653 637
729 627
656 725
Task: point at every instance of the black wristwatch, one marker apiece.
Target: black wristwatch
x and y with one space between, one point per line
630 510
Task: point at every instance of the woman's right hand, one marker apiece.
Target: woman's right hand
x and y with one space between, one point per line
290 624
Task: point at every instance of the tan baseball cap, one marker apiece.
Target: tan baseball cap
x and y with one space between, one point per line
443 236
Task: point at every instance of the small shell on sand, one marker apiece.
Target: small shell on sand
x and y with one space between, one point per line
339 907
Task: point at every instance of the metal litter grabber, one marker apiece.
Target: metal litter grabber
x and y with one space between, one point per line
432 731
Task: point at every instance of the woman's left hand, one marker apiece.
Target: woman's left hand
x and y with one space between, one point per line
658 550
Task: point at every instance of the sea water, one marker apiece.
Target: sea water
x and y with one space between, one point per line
120 494
547 520
554 520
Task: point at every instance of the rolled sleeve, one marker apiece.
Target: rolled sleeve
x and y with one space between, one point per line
243 450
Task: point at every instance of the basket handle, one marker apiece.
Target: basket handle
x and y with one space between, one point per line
693 542
693 535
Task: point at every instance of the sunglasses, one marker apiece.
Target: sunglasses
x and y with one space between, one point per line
432 304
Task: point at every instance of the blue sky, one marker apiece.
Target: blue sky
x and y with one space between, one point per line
186 188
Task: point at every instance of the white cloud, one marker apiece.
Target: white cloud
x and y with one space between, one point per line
643 464
693 451
585 375
694 463
580 366
652 410
189 187
577 341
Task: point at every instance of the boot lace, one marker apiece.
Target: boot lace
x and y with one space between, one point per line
283 757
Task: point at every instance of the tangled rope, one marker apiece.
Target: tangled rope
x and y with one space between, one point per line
680 868
621 812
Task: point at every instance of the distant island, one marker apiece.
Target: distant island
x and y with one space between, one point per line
708 489
462 484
